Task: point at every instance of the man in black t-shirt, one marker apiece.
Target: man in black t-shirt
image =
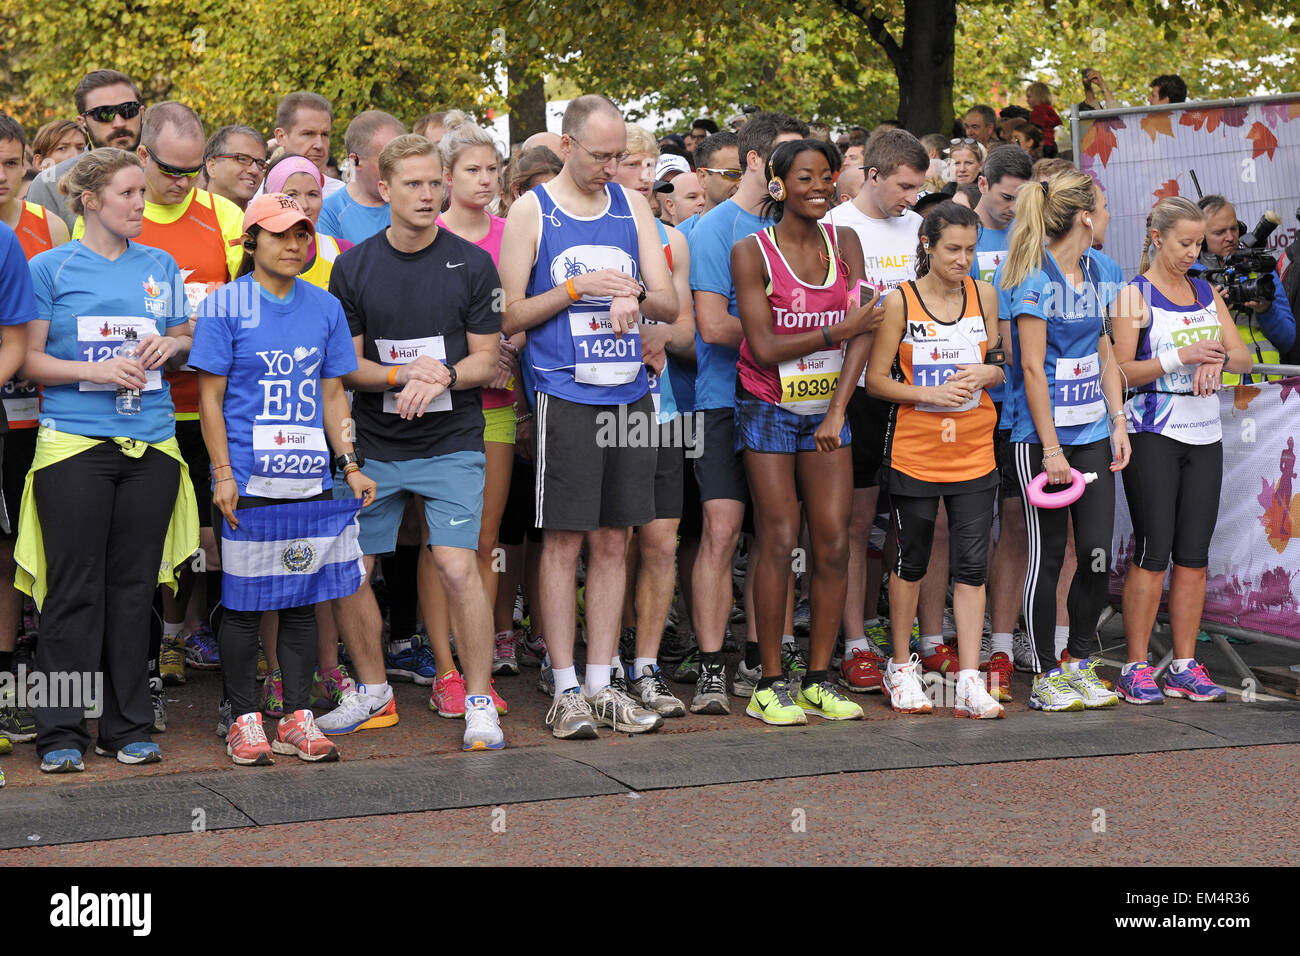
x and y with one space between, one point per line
423 307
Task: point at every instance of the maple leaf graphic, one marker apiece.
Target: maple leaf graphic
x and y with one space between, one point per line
105 331
1100 139
594 325
392 351
1168 188
1264 140
279 438
935 355
1157 124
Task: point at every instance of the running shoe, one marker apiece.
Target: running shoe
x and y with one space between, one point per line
482 725
246 744
360 710
942 660
1138 686
675 643
1083 678
802 617
618 678
546 679
613 708
158 697
225 718
570 716
746 679
652 691
877 632
1053 694
997 676
976 702
837 652
627 643
530 648
688 671
201 650
711 690
2 773
171 660
448 697
906 692
329 686
826 700
297 734
62 761
986 646
5 746
263 666
412 660
793 665
1193 684
16 723
1022 651
860 672
498 701
503 654
774 705
142 751
273 695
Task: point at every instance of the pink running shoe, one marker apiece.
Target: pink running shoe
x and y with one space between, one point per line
448 697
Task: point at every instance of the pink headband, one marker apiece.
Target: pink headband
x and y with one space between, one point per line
276 178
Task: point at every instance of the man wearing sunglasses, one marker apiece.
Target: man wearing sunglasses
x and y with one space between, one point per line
717 167
234 162
109 112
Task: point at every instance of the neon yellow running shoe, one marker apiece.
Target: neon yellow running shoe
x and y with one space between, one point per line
773 705
825 700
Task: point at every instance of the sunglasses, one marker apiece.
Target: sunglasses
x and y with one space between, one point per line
105 114
730 175
176 172
243 159
964 139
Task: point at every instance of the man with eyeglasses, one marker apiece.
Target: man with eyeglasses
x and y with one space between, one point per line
302 126
718 169
203 233
581 262
108 111
358 211
234 161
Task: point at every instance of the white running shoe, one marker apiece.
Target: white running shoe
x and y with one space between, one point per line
974 701
746 680
1082 676
359 710
482 725
906 692
1052 693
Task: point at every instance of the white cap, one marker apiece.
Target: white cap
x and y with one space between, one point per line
671 161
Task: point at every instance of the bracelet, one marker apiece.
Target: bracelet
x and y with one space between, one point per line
392 375
350 467
826 336
527 416
1119 415
572 289
1053 454
1169 361
1052 448
215 467
220 480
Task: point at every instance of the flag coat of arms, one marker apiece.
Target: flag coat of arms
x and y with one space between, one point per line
291 555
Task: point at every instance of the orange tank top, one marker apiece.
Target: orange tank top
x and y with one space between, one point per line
33 230
196 242
930 442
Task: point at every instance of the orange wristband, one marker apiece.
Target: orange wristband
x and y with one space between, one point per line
392 375
572 290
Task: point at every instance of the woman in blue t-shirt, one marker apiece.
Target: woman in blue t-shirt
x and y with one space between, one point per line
1067 414
105 484
271 350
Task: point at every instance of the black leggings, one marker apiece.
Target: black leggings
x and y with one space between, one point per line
1173 496
1094 521
238 639
970 518
103 519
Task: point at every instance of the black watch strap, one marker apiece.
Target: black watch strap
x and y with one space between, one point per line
452 370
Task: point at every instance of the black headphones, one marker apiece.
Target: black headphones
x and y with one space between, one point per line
250 245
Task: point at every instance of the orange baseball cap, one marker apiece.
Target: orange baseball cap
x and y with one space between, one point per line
275 212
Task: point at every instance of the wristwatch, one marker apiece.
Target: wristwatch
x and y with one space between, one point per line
644 293
351 458
452 370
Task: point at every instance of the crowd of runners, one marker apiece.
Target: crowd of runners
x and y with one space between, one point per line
617 409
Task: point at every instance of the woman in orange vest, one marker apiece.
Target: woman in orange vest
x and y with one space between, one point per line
299 178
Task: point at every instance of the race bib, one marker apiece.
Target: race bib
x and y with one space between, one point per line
599 356
402 351
808 383
22 405
100 338
1076 394
289 461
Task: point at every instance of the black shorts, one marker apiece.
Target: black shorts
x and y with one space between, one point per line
595 464
969 505
517 520
867 418
19 448
669 476
189 436
1173 497
692 524
719 469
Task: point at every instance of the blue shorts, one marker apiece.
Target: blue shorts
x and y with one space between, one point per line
764 427
452 489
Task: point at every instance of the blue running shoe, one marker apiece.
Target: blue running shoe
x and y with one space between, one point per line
201 650
1138 686
142 751
1193 683
62 761
410 660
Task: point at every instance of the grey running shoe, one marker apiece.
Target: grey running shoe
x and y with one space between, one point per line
688 671
802 617
16 723
613 708
651 689
1022 653
570 717
746 680
711 691
793 665
159 697
224 718
546 679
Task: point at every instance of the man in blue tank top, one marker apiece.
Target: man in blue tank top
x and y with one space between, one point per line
580 263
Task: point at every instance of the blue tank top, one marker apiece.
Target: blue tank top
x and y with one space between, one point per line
575 354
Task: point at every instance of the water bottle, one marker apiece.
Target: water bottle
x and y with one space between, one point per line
128 399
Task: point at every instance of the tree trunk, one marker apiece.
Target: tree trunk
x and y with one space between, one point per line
527 104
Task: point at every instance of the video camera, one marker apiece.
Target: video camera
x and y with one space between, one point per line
1247 275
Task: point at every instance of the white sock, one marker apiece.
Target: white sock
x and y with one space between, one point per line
641 663
566 678
501 634
597 679
1062 639
378 691
857 644
1180 664
1129 666
1002 643
172 630
1071 665
968 675
788 639
616 666
929 642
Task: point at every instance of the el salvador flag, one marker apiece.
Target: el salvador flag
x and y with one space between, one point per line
291 555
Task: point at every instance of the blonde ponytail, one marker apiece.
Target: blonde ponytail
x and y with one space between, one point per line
1044 212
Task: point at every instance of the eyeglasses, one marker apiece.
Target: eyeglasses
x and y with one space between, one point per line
730 175
176 172
968 140
604 159
243 159
105 114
